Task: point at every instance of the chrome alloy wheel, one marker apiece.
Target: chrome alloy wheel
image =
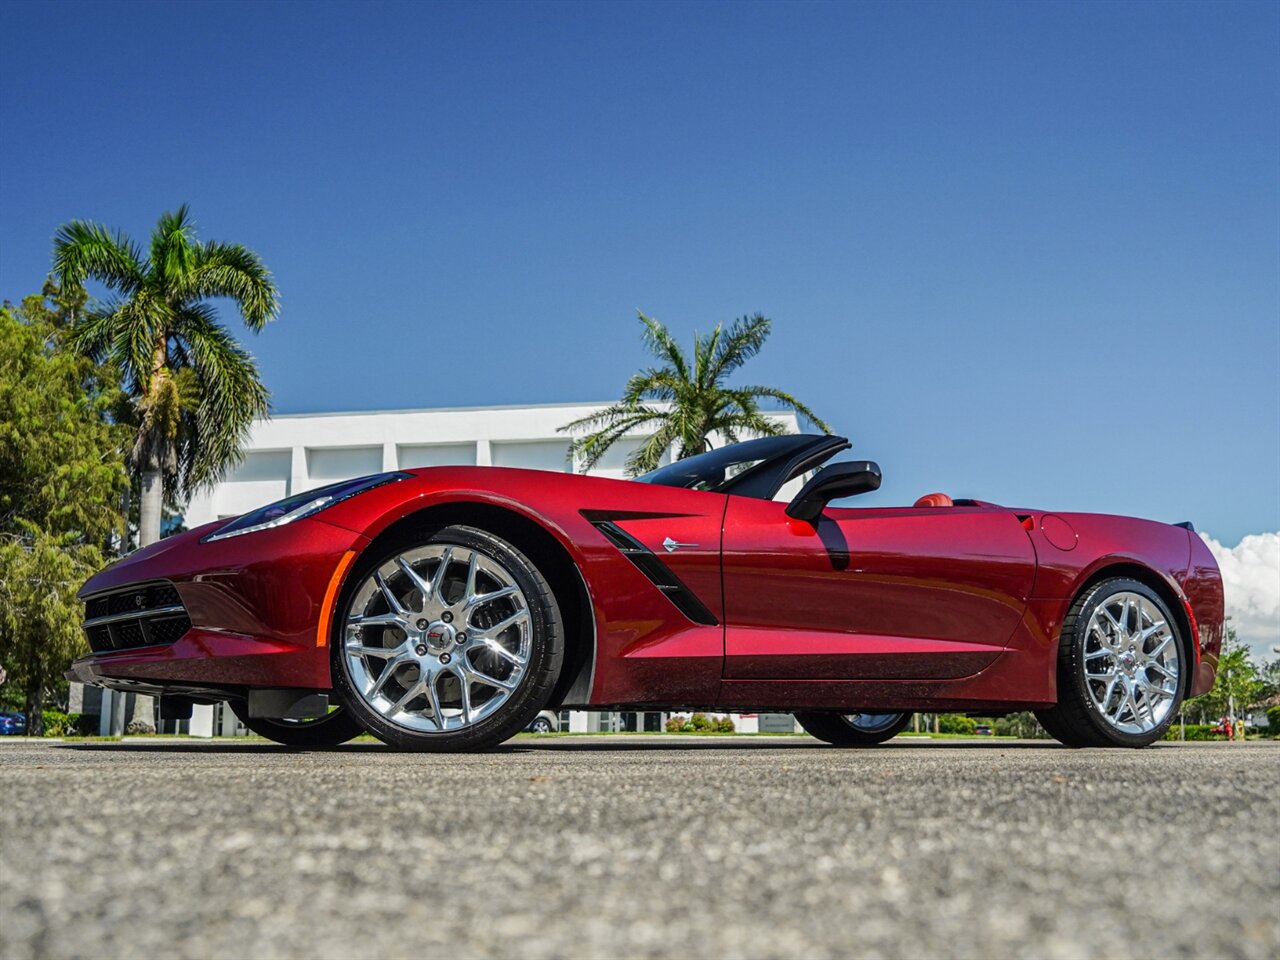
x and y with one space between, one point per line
1131 663
871 722
437 638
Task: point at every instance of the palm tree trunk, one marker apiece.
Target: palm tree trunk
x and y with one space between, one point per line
150 507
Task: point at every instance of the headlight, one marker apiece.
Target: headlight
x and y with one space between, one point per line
300 505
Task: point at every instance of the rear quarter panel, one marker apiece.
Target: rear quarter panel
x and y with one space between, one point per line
1174 557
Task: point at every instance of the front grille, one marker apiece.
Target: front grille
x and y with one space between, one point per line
144 615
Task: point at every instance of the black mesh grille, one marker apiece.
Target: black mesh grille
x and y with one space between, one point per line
139 616
168 629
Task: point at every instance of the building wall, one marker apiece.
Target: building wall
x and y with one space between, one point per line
297 452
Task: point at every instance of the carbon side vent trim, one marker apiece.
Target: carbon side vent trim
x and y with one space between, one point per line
659 573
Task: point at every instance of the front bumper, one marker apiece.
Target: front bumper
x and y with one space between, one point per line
254 603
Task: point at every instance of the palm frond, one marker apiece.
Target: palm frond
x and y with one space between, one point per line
651 385
607 428
172 248
232 270
659 342
783 397
649 454
743 341
230 391
84 250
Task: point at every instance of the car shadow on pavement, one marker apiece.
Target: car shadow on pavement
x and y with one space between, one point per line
592 744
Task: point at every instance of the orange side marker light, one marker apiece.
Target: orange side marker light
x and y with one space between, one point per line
330 595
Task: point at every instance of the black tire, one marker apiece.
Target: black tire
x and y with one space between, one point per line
836 730
540 725
524 702
333 728
1074 720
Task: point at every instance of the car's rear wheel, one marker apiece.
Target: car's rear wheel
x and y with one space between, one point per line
1121 668
333 728
540 725
451 641
854 729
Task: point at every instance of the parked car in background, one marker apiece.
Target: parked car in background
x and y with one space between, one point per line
984 730
13 724
544 722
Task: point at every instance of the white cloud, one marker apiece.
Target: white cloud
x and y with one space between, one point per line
1251 582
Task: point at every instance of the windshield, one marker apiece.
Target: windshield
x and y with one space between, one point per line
716 468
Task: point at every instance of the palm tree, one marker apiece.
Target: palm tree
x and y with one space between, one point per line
685 403
193 390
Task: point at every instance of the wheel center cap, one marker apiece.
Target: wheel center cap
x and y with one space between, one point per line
439 636
1128 661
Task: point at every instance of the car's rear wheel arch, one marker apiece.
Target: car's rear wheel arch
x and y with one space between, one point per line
1148 578
542 548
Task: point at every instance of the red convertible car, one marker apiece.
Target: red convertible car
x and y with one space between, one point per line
443 608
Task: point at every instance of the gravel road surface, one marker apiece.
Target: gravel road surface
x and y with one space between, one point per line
597 847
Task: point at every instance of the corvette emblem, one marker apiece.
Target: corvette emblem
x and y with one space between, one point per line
673 545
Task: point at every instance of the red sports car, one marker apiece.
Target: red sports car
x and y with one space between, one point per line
443 608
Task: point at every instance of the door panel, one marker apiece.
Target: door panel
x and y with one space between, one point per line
879 593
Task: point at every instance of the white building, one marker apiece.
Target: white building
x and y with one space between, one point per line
296 452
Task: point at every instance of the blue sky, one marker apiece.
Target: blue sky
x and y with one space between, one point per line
1023 252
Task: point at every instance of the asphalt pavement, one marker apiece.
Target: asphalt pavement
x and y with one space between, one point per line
602 847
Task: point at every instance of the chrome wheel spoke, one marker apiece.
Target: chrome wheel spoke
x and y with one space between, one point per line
464 694
481 677
415 690
361 650
437 581
498 628
389 595
433 695
378 619
415 578
475 601
387 672
493 646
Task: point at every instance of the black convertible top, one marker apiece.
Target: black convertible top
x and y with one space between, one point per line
753 468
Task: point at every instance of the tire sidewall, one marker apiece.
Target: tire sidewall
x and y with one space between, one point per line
529 697
1074 662
331 730
834 729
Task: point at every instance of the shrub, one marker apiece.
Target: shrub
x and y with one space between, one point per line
1195 731
1273 718
956 723
59 724
701 722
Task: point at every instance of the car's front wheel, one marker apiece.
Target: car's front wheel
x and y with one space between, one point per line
1120 668
447 641
854 729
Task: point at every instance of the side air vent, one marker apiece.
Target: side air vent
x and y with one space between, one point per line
658 572
144 615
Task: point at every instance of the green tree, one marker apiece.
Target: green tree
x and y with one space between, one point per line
193 389
1237 685
685 402
61 477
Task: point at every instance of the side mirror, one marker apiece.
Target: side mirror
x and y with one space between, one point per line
832 483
